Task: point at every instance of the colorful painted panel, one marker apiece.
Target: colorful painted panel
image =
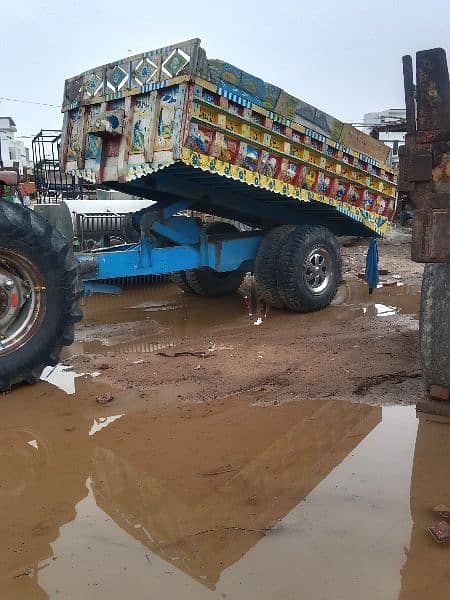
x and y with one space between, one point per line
309 115
251 158
93 146
376 222
93 142
259 134
200 139
138 74
274 156
236 82
229 150
290 173
269 164
165 120
207 114
73 145
140 127
156 69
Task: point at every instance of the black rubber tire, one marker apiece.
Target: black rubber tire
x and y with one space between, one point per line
207 282
220 227
300 242
179 279
435 325
266 265
32 236
128 229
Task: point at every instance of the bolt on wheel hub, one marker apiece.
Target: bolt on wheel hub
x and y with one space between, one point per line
22 303
11 298
318 270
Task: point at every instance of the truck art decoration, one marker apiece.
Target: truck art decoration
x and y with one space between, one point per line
173 107
192 136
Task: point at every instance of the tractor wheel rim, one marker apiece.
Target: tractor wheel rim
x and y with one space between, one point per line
23 300
318 270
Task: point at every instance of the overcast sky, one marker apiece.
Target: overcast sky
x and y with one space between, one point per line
343 56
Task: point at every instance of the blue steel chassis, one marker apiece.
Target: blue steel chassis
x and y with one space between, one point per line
169 243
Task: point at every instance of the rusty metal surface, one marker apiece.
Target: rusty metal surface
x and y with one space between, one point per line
424 171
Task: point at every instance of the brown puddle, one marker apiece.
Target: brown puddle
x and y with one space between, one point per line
151 318
313 499
353 297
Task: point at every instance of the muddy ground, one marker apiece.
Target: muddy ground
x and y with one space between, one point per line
204 448
210 348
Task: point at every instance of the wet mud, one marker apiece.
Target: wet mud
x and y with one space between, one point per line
152 318
209 448
232 499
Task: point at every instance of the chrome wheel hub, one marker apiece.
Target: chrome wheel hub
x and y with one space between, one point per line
318 270
12 296
22 300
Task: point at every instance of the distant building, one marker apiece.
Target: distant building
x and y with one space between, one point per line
13 153
389 126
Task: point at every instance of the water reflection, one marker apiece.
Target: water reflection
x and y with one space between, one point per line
237 500
426 572
193 495
61 376
103 422
150 319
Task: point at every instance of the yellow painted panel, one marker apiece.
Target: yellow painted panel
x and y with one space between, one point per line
276 143
256 135
372 220
208 115
233 125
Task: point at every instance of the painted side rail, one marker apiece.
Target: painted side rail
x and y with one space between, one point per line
218 253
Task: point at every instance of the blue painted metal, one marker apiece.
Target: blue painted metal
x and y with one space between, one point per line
372 273
163 209
221 253
181 230
187 246
173 208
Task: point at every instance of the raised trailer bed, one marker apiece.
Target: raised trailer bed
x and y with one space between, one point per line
201 135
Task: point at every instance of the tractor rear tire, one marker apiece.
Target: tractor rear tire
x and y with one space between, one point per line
435 325
309 268
39 295
266 265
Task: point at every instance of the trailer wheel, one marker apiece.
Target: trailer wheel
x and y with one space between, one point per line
39 294
207 282
128 229
309 268
266 265
435 325
179 279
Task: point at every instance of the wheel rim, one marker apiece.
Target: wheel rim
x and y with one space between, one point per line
318 270
23 300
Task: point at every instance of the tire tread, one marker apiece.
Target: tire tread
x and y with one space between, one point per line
19 223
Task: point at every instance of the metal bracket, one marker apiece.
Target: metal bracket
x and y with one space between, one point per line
154 217
180 230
